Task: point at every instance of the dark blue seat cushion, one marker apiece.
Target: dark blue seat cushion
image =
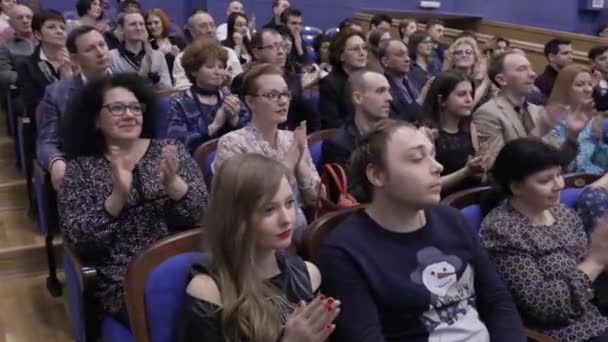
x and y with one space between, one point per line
114 331
473 215
315 152
569 196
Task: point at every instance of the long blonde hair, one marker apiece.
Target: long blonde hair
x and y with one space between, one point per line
251 308
476 70
560 95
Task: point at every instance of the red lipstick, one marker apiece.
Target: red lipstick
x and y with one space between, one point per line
284 235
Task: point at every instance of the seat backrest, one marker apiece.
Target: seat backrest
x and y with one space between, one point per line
204 156
315 145
162 122
569 196
155 285
313 234
332 32
579 180
473 215
464 198
311 30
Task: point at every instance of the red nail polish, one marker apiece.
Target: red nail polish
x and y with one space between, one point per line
322 297
330 301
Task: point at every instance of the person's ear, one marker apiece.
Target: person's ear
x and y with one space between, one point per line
384 61
517 188
249 100
375 176
357 98
501 79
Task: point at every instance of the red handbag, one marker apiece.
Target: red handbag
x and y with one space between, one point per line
333 172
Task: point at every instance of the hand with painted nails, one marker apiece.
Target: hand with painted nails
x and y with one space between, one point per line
312 322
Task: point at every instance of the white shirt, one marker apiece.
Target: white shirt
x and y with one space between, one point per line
179 74
222 32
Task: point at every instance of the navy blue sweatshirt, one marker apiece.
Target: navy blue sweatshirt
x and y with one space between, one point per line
433 284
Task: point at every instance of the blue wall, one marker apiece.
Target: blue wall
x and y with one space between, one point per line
555 14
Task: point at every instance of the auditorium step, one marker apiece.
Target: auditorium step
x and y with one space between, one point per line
7 148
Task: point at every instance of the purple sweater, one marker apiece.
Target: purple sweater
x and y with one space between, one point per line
434 284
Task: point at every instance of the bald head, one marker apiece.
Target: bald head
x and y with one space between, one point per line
370 94
235 7
201 25
20 18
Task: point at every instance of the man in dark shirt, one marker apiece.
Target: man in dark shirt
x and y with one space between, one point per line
406 268
407 100
17 48
278 6
559 54
436 29
298 56
598 56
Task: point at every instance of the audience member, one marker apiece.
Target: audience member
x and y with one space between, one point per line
602 31
248 288
424 65
202 26
350 24
267 97
598 56
447 110
574 90
204 111
371 98
396 62
496 47
559 54
402 265
239 38
347 53
136 55
298 56
381 21
222 30
6 31
436 29
89 50
464 55
269 47
49 62
539 246
89 14
407 27
122 190
278 6
592 204
158 25
16 50
321 45
376 37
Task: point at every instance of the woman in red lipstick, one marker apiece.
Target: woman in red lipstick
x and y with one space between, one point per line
249 289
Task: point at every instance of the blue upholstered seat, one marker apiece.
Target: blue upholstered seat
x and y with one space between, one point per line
315 152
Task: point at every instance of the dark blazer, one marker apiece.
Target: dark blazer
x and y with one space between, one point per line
400 107
32 81
337 149
300 108
334 104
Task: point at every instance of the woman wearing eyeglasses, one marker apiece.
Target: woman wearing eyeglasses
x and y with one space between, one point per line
123 190
267 96
424 64
464 55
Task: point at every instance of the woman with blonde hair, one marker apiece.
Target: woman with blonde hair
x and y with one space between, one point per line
573 91
464 55
249 289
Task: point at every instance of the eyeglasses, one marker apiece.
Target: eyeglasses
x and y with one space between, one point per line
467 52
276 95
276 46
118 109
360 48
427 41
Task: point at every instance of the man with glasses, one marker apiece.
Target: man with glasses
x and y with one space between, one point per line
88 48
269 47
202 26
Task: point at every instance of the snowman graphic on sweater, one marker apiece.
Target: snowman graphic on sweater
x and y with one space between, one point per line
452 315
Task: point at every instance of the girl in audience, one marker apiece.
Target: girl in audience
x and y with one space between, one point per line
158 24
573 90
423 63
539 245
267 96
447 109
321 45
123 190
239 38
249 288
464 55
89 13
496 47
407 27
205 111
376 37
347 53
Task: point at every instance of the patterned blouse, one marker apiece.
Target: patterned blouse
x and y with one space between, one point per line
592 154
109 243
539 265
189 123
591 206
250 140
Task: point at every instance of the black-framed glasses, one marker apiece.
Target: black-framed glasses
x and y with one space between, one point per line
276 95
118 109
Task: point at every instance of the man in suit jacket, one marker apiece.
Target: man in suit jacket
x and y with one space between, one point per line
88 47
509 116
395 59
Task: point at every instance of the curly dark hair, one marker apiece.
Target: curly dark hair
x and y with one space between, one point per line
78 131
339 44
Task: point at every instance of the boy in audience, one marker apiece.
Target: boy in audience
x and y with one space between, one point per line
202 26
381 21
406 268
598 56
298 56
136 55
349 24
17 48
278 6
395 59
559 54
269 47
234 7
371 99
436 29
89 50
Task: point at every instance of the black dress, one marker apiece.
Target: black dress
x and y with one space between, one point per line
199 320
452 151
